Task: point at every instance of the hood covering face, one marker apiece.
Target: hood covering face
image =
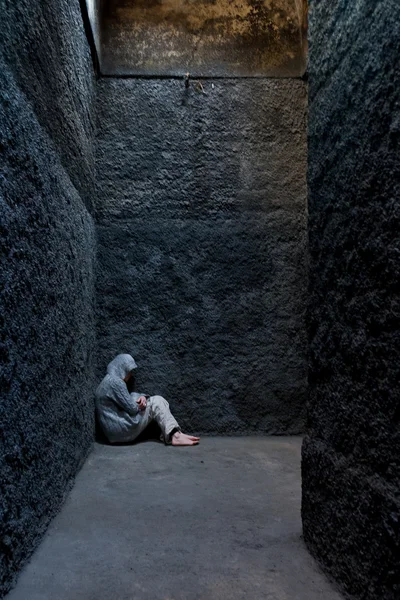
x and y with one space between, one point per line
121 366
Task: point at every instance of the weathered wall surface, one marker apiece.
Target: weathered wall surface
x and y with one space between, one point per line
46 268
45 45
201 222
205 37
351 464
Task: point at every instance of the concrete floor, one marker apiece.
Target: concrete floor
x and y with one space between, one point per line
149 522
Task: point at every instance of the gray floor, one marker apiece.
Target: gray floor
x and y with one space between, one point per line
149 522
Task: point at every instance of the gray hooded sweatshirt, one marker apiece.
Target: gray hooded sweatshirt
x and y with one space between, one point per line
116 408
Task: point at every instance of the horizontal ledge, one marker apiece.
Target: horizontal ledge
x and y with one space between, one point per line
194 77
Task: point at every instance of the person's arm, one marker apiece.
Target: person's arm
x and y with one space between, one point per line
136 395
140 399
124 399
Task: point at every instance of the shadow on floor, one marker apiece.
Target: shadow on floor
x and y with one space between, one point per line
150 434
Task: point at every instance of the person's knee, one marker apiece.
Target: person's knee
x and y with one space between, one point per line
159 401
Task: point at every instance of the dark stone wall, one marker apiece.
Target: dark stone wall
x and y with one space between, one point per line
47 250
45 45
202 226
351 454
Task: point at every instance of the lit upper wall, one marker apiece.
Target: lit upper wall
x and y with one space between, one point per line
203 37
94 11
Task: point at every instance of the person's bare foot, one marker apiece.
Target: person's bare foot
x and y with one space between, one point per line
182 439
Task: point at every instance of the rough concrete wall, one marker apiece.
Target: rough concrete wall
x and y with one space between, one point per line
351 464
205 37
47 251
201 224
46 47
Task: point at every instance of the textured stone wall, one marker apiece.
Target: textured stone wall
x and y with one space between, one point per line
47 251
351 454
205 37
201 225
45 45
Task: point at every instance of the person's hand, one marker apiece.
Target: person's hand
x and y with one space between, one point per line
141 402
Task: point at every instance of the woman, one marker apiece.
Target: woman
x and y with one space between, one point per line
123 416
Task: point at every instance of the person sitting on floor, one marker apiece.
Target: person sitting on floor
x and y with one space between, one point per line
123 415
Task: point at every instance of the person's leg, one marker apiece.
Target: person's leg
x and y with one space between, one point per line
160 412
139 427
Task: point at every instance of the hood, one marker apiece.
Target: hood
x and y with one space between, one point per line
121 366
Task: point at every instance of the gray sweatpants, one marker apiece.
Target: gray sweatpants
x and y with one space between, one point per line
157 410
